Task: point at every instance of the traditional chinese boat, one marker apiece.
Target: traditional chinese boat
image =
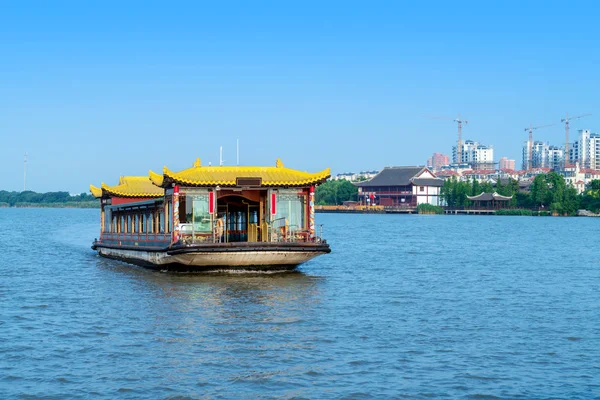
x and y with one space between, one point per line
208 218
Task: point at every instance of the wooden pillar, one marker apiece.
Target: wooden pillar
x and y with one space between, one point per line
101 219
166 214
175 213
311 213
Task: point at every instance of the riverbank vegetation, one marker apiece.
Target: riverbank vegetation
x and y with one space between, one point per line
429 209
332 193
548 193
522 211
50 199
590 200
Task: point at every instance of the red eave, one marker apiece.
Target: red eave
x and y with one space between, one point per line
125 200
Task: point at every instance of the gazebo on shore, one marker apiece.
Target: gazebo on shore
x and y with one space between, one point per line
490 201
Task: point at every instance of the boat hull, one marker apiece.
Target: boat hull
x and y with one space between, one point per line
227 256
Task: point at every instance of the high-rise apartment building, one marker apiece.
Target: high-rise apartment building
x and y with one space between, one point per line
505 163
555 157
477 155
543 155
437 161
586 150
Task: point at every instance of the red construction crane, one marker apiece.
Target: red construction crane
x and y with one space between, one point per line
459 146
566 121
531 129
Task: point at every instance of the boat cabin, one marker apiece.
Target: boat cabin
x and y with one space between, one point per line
210 205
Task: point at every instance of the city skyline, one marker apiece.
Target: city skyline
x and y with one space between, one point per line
95 91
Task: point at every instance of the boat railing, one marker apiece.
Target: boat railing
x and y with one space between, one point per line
143 237
278 230
282 231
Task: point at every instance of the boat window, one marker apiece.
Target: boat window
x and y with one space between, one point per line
200 215
107 219
149 225
161 222
291 207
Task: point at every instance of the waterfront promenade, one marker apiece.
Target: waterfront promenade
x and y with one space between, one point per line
395 210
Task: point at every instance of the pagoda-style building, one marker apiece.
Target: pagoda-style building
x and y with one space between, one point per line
490 201
123 206
211 206
401 187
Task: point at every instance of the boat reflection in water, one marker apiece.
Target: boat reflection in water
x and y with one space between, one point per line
189 299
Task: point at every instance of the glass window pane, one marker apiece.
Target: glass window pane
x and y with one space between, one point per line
291 207
200 214
149 223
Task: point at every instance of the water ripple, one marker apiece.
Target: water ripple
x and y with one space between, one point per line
404 307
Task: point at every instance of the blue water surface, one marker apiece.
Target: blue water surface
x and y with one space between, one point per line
405 306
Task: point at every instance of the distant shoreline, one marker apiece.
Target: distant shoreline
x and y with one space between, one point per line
440 211
52 205
30 199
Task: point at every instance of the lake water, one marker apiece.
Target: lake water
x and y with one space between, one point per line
405 306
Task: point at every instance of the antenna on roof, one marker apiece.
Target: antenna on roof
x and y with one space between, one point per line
237 150
221 156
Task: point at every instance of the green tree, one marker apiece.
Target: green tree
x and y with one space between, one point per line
593 188
476 190
539 191
571 201
487 187
336 192
551 191
454 192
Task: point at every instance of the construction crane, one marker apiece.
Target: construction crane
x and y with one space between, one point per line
531 129
566 120
459 146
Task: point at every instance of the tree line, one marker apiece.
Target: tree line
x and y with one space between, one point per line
335 193
547 192
49 199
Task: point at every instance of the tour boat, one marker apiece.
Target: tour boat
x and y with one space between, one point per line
208 218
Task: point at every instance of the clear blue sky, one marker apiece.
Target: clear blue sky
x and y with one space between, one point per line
94 90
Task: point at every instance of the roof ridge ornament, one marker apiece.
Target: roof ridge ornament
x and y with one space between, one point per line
279 163
197 163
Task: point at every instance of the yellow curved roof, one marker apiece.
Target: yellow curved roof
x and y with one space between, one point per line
227 176
129 186
96 191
